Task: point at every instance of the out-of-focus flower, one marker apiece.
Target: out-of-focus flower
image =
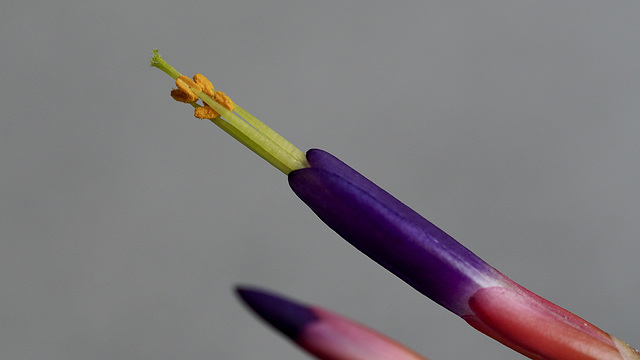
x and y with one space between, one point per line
323 333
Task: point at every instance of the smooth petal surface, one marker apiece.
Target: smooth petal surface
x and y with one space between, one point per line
391 233
438 266
537 329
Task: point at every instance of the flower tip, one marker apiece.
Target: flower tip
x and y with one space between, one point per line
285 315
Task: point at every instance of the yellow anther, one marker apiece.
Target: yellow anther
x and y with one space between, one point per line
179 95
222 99
184 83
205 84
205 112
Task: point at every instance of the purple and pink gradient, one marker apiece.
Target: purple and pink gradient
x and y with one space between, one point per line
439 267
322 333
326 335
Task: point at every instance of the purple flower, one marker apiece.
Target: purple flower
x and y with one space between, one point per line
439 267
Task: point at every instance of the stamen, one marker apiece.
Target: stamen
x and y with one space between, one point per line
234 120
181 96
205 84
205 112
222 99
185 85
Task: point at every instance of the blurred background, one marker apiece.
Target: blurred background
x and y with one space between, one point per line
125 222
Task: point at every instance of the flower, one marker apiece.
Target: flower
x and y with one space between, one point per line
407 244
438 266
321 332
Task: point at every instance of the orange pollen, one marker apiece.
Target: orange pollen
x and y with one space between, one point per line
222 99
205 84
184 83
181 96
205 112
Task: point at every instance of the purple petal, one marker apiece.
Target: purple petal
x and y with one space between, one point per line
391 233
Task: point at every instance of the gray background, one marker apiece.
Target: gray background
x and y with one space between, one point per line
125 222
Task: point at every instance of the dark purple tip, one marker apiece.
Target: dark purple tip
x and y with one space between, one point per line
283 314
